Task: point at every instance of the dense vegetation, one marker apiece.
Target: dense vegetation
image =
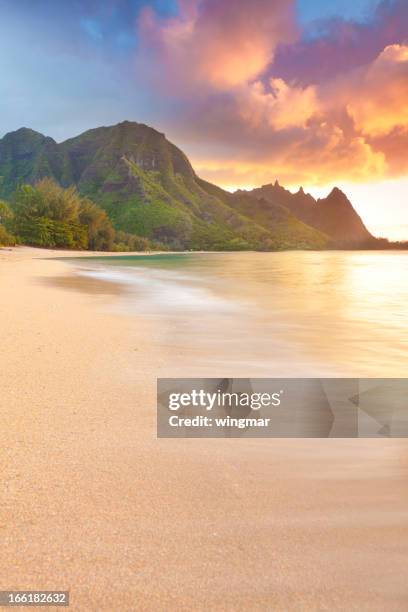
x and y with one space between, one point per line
6 238
46 215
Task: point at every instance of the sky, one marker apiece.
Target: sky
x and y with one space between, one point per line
311 92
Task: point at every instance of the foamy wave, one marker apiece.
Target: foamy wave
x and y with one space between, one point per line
164 289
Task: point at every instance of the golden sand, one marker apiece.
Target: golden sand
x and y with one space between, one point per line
93 503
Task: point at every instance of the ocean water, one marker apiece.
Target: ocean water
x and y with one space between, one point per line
337 313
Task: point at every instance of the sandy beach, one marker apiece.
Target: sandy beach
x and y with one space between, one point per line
92 502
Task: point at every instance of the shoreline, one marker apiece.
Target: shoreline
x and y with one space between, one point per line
37 252
94 503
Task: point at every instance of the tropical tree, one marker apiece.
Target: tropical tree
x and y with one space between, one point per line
6 239
5 212
48 215
101 234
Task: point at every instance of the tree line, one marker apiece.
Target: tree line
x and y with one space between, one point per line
49 216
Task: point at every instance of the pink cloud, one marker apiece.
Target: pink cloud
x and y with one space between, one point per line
215 61
214 43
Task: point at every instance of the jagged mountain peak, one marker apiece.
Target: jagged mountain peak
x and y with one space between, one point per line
336 191
336 194
333 215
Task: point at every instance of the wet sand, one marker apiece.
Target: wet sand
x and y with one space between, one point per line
93 503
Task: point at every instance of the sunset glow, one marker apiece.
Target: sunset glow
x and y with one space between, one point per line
203 311
250 91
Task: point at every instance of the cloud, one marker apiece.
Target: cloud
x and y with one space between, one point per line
375 98
335 46
379 101
316 156
279 107
216 43
394 147
218 66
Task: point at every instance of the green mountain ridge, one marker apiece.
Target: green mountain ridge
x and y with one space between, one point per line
148 187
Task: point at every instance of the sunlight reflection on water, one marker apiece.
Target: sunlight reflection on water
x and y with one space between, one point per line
293 313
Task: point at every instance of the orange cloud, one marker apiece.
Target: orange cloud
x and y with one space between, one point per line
215 61
325 155
379 101
394 147
329 153
282 107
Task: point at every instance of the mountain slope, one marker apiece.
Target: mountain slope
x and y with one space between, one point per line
148 187
333 215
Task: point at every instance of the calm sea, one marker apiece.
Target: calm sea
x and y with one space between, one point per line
271 314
